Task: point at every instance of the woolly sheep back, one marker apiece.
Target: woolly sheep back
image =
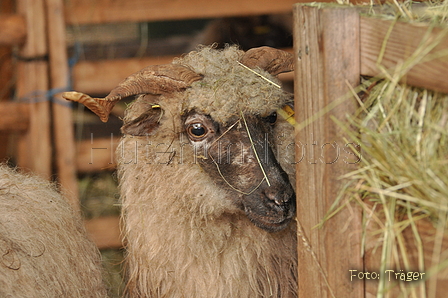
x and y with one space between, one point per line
44 251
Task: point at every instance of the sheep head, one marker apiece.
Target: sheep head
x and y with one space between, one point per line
227 112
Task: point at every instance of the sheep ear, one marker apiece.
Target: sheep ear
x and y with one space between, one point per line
272 60
145 124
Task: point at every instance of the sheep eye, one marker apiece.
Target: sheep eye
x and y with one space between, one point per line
196 130
271 119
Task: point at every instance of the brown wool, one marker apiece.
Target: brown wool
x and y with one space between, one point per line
44 250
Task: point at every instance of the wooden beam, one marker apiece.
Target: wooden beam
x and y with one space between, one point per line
62 114
95 12
97 77
34 147
404 41
105 231
326 45
14 116
12 29
6 80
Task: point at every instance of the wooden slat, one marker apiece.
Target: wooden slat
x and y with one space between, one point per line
14 116
6 80
12 29
96 154
34 148
327 60
404 40
101 76
62 115
93 12
96 77
104 232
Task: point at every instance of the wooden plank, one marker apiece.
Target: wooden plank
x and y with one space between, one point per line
6 81
327 61
96 154
34 147
105 11
405 40
14 116
62 114
12 29
97 77
105 231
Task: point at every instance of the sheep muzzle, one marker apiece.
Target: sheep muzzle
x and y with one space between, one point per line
272 209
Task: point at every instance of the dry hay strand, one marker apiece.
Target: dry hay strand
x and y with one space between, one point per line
403 173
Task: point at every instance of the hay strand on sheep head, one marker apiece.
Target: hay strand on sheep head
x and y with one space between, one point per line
261 76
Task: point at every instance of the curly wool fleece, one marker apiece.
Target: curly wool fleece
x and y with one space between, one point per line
228 88
44 250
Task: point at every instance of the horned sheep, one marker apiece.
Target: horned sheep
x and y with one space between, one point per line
207 209
44 250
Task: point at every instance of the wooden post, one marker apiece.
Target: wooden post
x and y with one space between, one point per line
62 115
34 148
12 29
14 116
6 78
326 48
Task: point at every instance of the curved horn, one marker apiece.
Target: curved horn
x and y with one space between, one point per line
155 79
272 60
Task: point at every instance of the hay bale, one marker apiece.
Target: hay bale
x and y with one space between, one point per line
44 251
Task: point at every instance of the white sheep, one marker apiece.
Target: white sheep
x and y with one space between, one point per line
207 209
44 251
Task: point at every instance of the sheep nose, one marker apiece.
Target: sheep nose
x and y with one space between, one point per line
280 196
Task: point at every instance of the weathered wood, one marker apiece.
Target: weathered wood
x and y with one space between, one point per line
405 40
96 154
14 116
105 231
96 77
34 147
62 114
6 80
12 29
326 45
91 12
